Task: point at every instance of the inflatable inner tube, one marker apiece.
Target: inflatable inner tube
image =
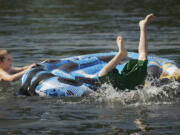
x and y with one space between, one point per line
77 75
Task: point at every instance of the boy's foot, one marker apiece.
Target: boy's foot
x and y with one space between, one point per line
120 44
143 23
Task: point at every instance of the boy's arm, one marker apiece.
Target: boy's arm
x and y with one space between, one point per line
10 78
16 69
19 69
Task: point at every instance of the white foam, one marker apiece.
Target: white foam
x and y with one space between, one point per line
165 94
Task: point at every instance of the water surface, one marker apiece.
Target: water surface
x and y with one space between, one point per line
53 29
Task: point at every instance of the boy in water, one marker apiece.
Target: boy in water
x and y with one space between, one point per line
134 72
7 72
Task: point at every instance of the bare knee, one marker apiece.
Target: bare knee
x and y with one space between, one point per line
103 72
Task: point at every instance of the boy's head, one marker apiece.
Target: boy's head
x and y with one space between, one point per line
3 53
5 59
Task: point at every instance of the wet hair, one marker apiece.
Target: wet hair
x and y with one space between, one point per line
3 53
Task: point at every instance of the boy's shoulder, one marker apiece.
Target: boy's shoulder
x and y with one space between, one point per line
3 83
2 71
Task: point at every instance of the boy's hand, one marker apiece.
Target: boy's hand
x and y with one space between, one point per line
47 60
32 66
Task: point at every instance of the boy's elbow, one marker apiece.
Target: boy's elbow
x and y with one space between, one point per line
11 79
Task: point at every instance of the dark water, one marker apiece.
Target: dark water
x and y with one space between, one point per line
34 30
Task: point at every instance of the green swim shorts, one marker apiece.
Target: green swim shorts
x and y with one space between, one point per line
132 75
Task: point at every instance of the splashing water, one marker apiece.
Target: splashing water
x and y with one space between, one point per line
165 94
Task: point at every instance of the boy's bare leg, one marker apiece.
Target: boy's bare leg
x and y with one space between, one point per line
119 56
143 46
